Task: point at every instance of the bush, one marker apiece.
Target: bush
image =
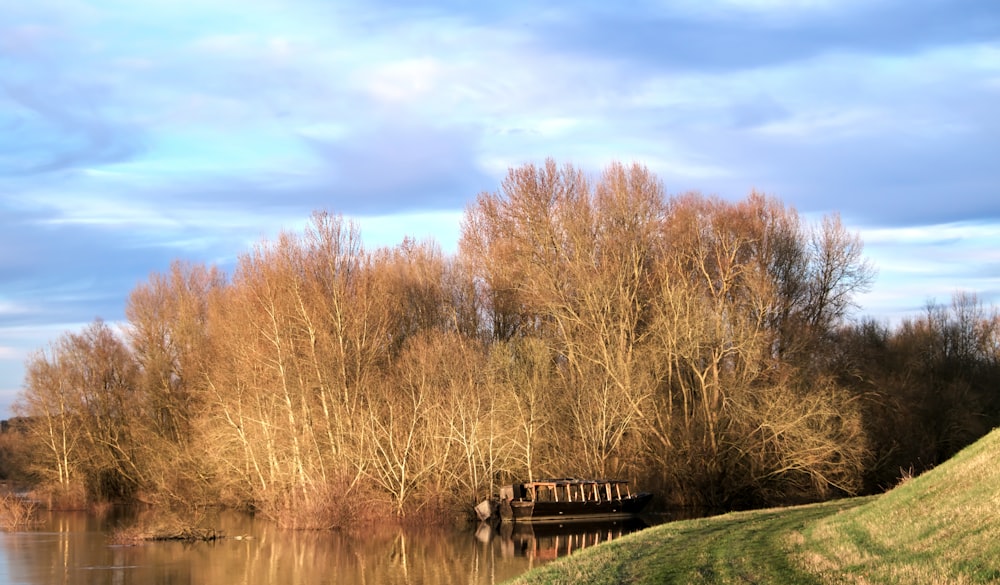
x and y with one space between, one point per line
16 511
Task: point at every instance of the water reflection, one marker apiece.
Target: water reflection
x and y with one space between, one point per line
541 543
72 548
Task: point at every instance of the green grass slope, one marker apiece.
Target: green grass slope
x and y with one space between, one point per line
942 527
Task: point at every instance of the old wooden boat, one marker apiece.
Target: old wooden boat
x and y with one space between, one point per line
562 500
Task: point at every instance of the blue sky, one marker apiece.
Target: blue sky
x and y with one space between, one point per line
135 133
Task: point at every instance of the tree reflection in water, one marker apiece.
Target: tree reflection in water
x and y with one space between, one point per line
74 548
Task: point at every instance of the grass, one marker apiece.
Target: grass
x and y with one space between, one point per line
941 527
742 547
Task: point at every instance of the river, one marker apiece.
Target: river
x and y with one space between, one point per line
73 548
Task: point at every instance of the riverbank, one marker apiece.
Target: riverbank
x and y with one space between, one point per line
941 527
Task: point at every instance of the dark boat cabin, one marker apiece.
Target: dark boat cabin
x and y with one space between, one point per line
567 490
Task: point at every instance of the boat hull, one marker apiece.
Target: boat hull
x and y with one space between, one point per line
520 511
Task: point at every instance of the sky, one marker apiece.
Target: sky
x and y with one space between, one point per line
137 133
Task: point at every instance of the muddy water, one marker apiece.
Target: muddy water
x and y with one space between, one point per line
73 548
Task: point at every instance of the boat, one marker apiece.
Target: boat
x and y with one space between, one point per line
565 500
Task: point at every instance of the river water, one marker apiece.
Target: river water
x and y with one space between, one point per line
73 548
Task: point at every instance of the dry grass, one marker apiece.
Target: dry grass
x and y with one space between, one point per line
325 507
344 507
53 497
133 535
157 525
16 512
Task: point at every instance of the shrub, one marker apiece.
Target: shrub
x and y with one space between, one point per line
16 511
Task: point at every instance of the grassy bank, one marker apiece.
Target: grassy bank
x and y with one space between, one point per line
942 527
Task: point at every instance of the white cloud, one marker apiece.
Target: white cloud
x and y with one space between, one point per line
406 80
13 309
825 125
921 263
973 233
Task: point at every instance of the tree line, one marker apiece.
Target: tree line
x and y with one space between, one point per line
586 327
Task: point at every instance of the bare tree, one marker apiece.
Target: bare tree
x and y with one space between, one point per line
589 325
168 332
83 407
575 258
48 403
839 271
523 371
408 444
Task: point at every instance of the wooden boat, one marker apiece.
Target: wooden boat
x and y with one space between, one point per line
564 500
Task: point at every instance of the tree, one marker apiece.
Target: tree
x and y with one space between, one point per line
47 406
408 423
263 380
927 385
710 339
590 325
81 403
730 280
820 277
104 373
523 372
574 259
168 332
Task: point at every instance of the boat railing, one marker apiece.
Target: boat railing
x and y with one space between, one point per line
576 490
